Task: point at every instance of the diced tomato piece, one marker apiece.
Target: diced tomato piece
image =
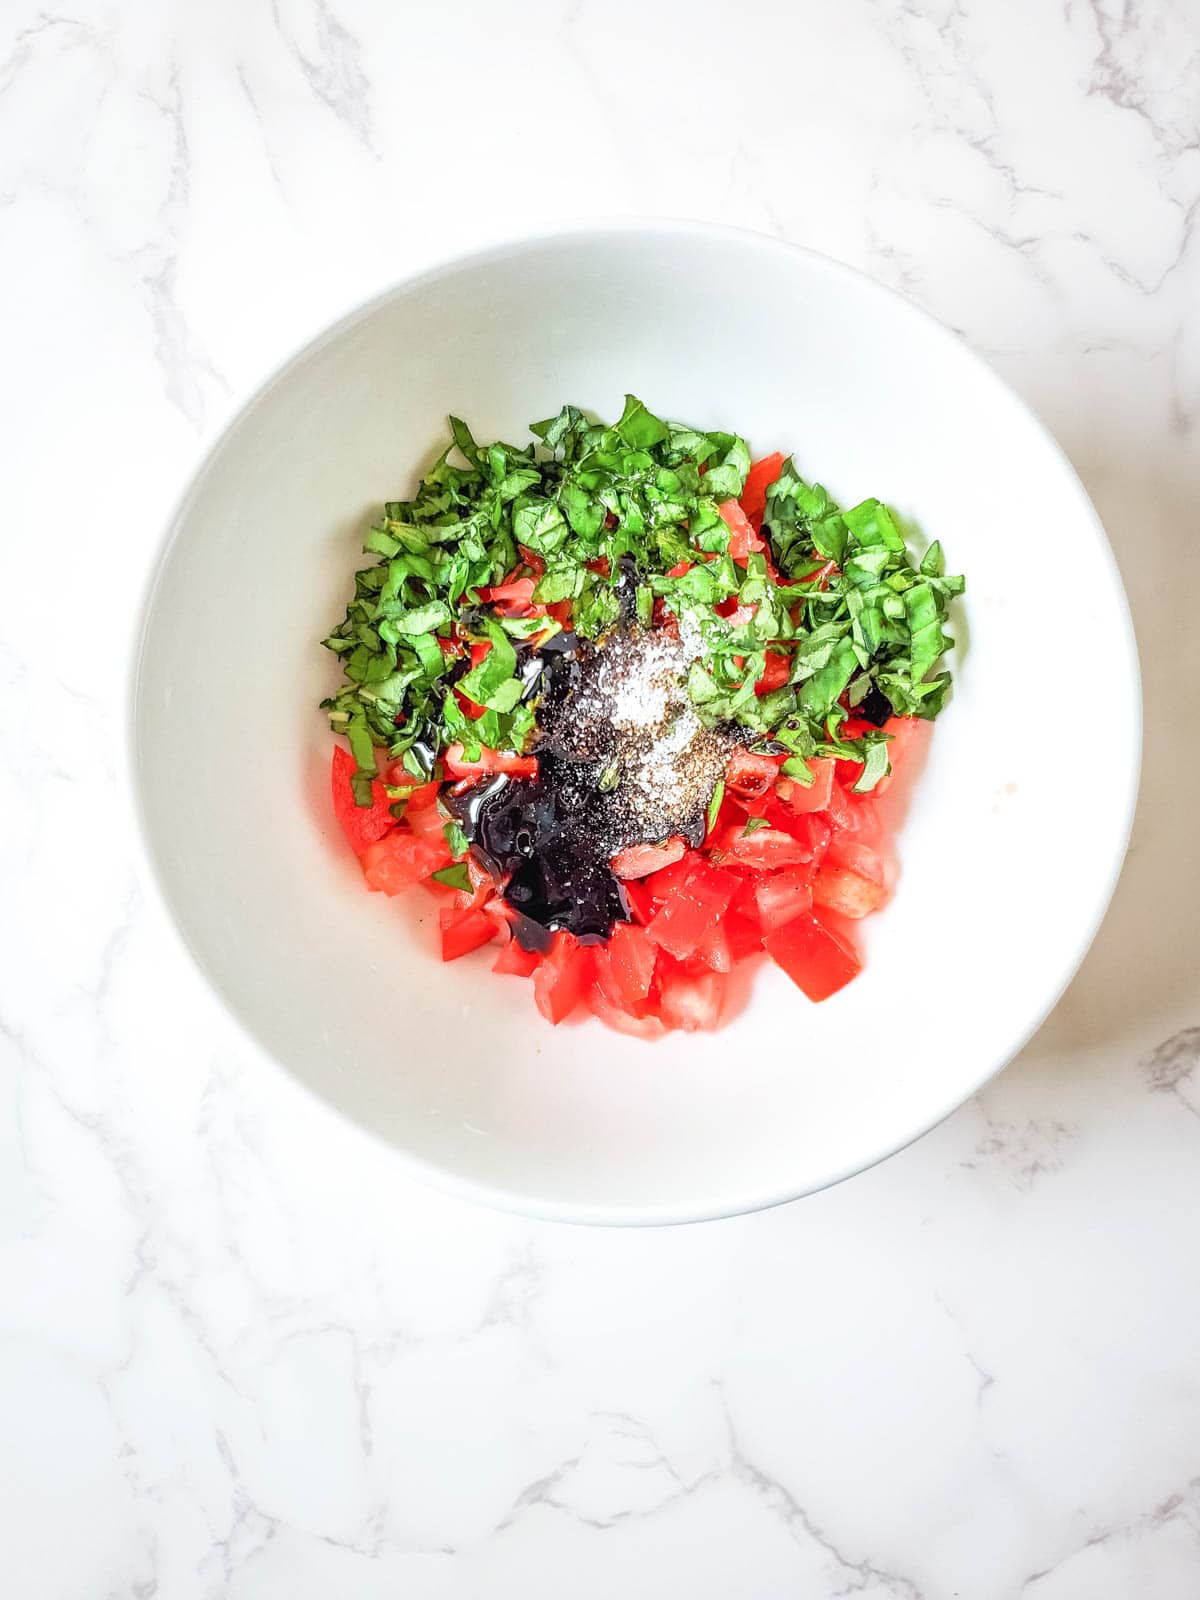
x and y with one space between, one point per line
744 934
516 960
631 960
463 931
690 912
782 896
639 899
814 797
743 537
758 480
714 949
841 810
639 860
769 847
401 858
559 980
362 825
490 761
851 879
620 1020
813 956
662 885
426 821
511 597
776 673
750 776
680 567
691 1000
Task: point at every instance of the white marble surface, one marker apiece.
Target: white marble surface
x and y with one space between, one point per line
240 1355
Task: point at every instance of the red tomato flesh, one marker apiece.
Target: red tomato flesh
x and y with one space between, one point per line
758 480
490 761
685 919
639 860
401 859
813 956
782 896
558 982
850 880
362 825
515 959
464 931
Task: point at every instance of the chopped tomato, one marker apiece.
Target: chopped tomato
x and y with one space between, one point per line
631 959
489 762
691 1000
401 858
685 919
782 896
662 885
515 959
362 825
813 956
750 776
426 821
680 567
639 860
769 847
714 949
850 880
813 797
775 674
559 980
758 480
743 537
620 1020
463 931
513 596
639 899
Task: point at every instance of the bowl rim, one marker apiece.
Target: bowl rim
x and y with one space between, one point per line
501 246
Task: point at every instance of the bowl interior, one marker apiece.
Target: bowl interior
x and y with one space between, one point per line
1001 885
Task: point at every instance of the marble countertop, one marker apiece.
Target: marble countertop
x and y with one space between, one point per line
240 1354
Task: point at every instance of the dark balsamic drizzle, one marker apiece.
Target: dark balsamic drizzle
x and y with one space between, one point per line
549 839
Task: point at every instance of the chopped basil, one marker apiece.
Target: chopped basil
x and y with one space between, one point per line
839 600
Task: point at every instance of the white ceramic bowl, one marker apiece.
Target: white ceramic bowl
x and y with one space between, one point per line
1008 857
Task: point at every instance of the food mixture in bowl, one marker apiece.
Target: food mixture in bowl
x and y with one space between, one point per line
627 703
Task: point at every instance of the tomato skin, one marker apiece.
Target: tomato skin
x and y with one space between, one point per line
400 859
464 931
816 796
362 825
490 761
640 860
558 982
759 479
813 956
